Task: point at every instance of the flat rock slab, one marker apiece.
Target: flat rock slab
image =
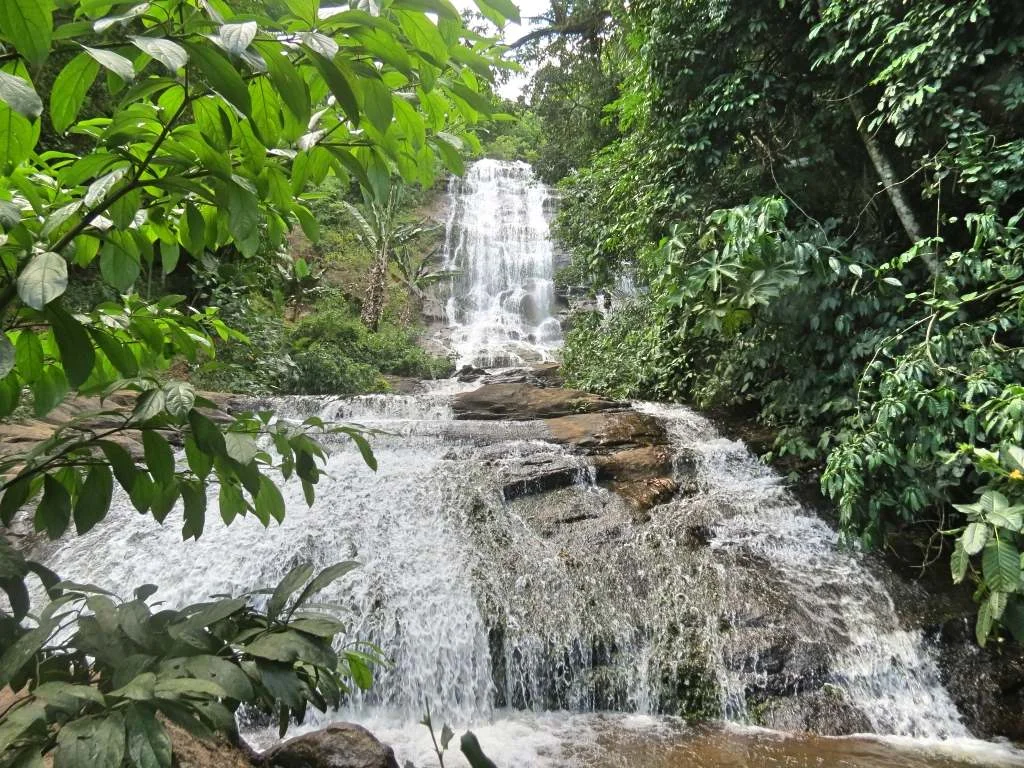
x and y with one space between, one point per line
538 474
616 429
339 745
523 402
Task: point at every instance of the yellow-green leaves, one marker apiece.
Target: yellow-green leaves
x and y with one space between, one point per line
69 90
28 26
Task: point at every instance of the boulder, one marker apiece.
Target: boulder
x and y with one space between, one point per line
540 375
617 429
339 745
522 402
537 474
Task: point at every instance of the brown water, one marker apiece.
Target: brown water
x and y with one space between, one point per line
615 740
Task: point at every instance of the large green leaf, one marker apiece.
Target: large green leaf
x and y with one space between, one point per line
1000 565
292 581
222 75
76 350
377 103
339 84
167 52
20 96
28 24
291 647
94 500
226 674
974 537
113 61
269 502
48 390
69 90
159 457
54 511
92 742
149 746
43 279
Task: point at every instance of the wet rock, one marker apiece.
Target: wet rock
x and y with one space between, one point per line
339 745
522 402
192 752
615 429
469 373
824 711
405 385
986 684
537 474
540 375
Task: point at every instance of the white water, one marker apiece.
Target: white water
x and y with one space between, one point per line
497 242
525 619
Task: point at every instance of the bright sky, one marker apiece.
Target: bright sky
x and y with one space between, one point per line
512 32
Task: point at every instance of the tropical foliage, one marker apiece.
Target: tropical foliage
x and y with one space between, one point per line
822 203
148 140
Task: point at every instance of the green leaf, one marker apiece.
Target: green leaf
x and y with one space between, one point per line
499 11
286 78
974 537
446 736
224 673
118 353
29 356
194 500
240 446
68 697
48 390
28 25
20 96
198 460
294 579
231 502
43 279
167 52
14 498
121 462
983 625
958 562
359 670
22 651
149 746
1000 565
54 511
324 579
114 62
179 398
159 456
76 350
377 103
268 501
321 626
92 742
235 38
222 75
119 267
339 85
94 500
291 647
176 687
70 89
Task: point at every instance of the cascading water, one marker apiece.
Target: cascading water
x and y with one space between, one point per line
497 244
535 620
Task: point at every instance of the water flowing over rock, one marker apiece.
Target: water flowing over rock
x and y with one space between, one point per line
566 574
502 298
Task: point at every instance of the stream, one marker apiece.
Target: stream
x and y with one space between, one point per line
560 626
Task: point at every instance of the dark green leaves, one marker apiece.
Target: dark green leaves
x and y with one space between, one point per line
149 746
1000 564
75 344
92 742
294 579
159 457
222 75
339 85
94 500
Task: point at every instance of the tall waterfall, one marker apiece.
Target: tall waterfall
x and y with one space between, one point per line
497 244
558 625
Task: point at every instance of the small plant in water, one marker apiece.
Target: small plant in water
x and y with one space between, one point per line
469 744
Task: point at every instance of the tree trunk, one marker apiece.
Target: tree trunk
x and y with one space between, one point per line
373 303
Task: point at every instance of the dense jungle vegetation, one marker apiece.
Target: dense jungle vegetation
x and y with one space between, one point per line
202 193
820 205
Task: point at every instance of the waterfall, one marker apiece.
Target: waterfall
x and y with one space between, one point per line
497 245
535 620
